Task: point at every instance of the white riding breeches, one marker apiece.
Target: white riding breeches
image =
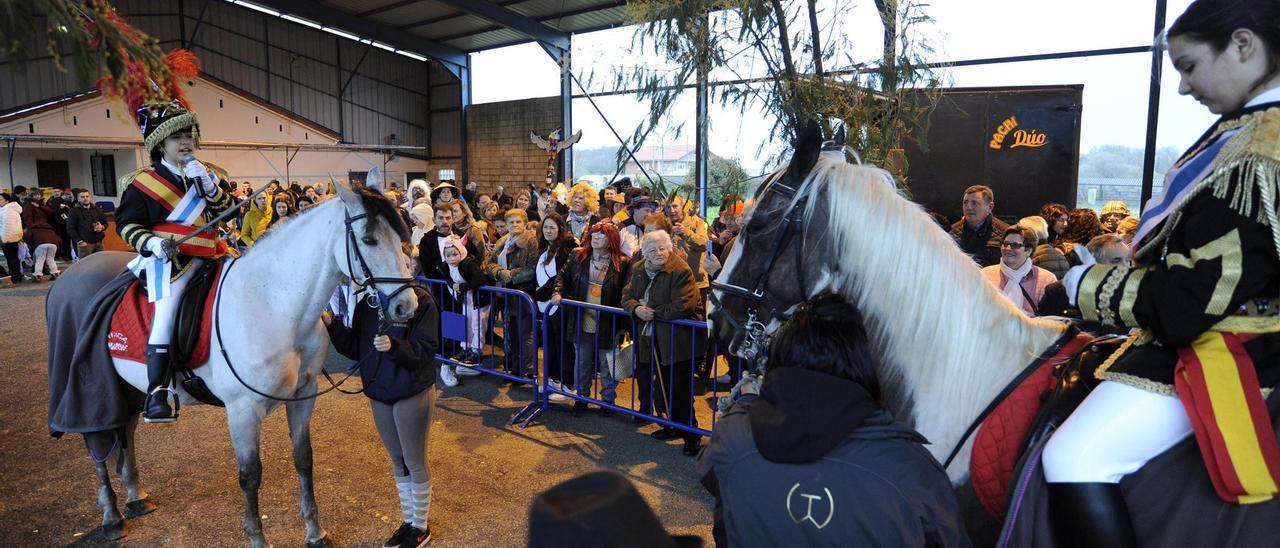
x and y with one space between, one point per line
1115 431
166 309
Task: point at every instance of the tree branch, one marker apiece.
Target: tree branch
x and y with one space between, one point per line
784 39
817 43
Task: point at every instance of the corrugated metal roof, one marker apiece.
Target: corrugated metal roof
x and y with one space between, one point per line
445 24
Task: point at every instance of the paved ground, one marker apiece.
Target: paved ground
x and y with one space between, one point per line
484 472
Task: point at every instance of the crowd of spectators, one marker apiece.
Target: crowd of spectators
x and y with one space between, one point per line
40 226
1026 261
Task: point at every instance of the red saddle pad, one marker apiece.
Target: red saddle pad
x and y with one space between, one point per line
131 325
996 445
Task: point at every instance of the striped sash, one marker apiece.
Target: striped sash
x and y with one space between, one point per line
1218 386
185 214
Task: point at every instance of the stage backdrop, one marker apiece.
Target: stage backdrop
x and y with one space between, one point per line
1023 142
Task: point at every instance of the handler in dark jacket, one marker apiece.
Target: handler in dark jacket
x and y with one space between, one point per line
814 460
397 367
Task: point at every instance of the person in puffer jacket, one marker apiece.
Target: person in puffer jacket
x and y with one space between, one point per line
11 234
813 459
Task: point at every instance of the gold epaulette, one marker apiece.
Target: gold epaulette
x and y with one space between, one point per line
128 178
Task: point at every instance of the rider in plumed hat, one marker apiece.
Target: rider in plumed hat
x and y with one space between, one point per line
162 203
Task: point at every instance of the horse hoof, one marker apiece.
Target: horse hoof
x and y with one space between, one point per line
139 508
113 530
322 542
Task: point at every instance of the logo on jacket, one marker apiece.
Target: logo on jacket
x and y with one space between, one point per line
810 507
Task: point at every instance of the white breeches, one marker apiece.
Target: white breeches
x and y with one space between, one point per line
167 308
1115 431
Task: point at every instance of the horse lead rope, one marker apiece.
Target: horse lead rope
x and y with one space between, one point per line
217 330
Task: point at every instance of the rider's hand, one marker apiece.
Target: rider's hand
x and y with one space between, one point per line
193 169
555 299
155 246
382 343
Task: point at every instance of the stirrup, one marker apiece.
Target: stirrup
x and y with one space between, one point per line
161 416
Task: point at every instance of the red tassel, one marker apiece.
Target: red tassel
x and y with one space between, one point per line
182 63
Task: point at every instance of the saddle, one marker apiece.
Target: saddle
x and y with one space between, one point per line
1030 413
131 324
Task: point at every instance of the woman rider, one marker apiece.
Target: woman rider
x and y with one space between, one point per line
162 203
1202 295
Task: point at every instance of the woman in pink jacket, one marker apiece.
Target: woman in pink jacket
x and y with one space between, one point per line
1016 277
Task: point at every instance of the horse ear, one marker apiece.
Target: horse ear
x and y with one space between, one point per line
345 193
374 179
807 146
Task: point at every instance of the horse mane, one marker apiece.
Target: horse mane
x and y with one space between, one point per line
378 206
943 334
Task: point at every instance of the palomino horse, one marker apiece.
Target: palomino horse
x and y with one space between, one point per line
269 313
946 341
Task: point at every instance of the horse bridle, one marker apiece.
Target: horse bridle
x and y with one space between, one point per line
792 223
368 286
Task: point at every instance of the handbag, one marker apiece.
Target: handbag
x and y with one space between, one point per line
624 363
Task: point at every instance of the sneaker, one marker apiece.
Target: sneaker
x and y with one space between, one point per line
417 538
399 536
447 376
558 397
464 357
665 433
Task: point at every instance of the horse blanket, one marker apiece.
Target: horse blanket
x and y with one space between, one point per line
85 393
131 325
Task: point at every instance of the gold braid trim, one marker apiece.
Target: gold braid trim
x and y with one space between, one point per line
1107 312
171 126
1111 360
1249 160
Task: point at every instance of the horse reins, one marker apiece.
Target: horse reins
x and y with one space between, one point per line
377 300
792 223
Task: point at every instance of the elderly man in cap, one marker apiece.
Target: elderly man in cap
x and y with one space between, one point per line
1112 213
641 206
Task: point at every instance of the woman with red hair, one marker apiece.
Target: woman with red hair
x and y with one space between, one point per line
596 274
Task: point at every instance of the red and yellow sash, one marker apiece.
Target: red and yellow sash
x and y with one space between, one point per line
1218 385
159 189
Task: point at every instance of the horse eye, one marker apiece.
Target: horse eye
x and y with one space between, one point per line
369 241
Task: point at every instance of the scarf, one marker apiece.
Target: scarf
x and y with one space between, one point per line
1013 280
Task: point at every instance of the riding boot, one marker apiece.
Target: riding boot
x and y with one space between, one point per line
1090 515
158 408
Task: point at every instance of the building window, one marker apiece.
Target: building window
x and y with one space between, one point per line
103 171
53 174
447 174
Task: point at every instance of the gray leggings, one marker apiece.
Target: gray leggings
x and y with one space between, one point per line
403 427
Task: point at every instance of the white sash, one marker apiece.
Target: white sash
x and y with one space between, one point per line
158 272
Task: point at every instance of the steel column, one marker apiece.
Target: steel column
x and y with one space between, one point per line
1153 108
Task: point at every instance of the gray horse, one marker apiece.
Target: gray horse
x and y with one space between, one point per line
268 312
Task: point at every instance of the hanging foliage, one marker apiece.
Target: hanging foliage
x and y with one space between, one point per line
102 48
811 71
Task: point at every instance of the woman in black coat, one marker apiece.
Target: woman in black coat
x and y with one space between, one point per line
556 243
596 274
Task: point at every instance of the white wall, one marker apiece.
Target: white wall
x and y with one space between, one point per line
225 116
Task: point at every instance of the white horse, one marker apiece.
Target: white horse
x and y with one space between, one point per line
270 305
946 341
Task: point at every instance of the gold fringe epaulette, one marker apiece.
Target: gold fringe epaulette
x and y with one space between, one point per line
1246 175
128 178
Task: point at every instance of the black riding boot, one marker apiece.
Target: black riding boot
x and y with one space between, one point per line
157 408
1090 515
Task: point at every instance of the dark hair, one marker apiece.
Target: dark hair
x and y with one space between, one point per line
1051 211
564 237
7 197
1082 226
1213 21
826 335
156 155
1029 238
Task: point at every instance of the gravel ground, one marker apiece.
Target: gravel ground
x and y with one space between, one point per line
484 472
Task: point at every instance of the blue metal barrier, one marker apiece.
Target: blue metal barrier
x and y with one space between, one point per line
522 338
657 381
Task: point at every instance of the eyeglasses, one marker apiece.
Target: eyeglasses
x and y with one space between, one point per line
1013 245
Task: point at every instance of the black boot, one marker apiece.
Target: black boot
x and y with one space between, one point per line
157 408
1090 515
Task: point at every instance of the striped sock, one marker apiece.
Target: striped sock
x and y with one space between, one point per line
403 486
421 503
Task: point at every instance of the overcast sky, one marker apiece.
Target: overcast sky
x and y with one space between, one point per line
1115 87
